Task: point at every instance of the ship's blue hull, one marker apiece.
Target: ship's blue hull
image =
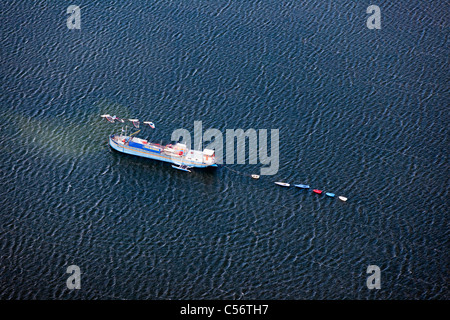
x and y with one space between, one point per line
138 150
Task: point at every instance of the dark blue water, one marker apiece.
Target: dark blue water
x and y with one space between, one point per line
362 113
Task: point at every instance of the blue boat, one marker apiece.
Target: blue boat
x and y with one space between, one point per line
302 186
330 194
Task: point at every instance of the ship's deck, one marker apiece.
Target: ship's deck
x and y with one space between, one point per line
177 153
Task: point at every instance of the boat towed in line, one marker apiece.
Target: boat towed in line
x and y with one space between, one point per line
283 184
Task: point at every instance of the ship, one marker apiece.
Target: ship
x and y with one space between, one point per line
178 154
181 157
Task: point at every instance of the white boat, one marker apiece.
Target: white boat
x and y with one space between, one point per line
283 184
118 119
342 198
181 167
151 124
135 122
108 117
255 176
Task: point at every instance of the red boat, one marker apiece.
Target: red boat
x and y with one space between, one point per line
317 191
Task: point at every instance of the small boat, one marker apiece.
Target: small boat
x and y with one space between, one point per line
135 122
317 191
181 167
342 198
330 194
108 117
283 184
302 186
151 124
118 119
255 176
